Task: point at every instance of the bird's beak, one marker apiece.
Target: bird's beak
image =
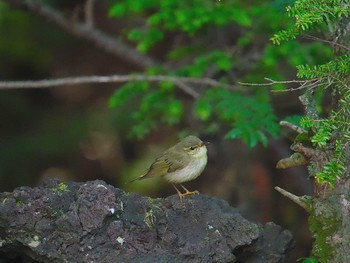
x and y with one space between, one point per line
204 144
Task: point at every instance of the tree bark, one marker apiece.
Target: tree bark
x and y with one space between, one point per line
329 210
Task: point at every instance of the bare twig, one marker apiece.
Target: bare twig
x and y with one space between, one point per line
179 81
99 38
292 127
333 43
304 84
272 82
296 199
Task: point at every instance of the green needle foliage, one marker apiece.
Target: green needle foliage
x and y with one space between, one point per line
310 14
330 134
249 119
222 40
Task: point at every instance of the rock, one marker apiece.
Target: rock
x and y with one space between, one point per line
95 222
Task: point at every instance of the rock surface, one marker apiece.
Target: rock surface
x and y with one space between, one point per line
95 222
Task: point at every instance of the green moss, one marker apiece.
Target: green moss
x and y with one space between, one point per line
4 242
307 260
324 222
20 203
3 201
150 218
61 188
149 200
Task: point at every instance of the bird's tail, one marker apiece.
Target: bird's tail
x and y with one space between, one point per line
158 168
133 180
137 178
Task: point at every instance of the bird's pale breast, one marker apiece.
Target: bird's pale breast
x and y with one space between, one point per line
192 170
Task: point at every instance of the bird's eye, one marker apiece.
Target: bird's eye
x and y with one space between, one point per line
192 148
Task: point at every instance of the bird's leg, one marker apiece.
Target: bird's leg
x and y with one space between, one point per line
179 193
187 192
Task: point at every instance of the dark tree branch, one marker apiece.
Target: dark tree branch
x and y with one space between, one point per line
85 31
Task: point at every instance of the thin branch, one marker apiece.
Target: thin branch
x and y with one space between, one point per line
99 38
292 126
179 81
307 36
296 199
47 83
271 82
304 84
187 89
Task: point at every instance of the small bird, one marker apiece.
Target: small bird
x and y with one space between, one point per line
183 162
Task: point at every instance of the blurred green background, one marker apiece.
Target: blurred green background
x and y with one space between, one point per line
113 131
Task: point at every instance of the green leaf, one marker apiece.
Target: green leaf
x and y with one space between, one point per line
250 119
173 112
245 40
135 35
182 52
203 109
167 86
261 137
224 64
126 92
294 119
117 10
149 39
305 122
241 17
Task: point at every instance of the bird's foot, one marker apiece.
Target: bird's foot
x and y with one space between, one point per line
186 193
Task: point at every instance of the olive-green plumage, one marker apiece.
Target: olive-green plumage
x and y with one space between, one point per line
180 163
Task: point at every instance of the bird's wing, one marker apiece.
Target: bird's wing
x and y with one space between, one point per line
158 168
169 162
176 162
165 164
